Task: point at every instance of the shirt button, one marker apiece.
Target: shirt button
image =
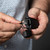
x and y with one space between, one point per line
5 46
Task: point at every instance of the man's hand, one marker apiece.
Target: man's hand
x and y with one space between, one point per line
43 21
8 27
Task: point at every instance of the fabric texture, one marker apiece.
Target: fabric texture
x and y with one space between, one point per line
16 9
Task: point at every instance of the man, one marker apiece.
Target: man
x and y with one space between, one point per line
11 13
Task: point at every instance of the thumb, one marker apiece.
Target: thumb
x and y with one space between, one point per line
33 13
8 19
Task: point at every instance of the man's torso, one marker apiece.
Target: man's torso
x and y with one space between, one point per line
16 9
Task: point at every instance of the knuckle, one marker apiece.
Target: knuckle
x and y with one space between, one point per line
2 35
10 35
1 25
13 27
13 33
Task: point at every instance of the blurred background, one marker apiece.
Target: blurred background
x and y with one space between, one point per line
44 42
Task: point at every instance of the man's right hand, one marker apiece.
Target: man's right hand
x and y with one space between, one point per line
8 27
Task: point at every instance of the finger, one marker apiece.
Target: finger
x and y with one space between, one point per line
36 37
8 18
3 40
43 21
34 13
9 26
6 34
